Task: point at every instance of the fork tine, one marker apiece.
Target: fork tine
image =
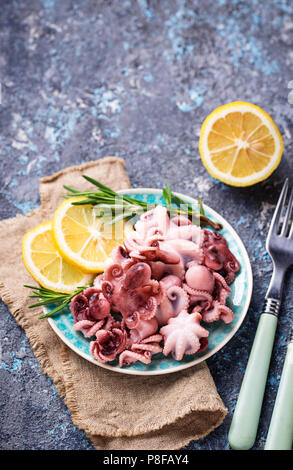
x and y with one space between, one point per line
287 215
279 209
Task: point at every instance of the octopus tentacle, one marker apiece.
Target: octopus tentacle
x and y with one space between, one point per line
156 289
121 256
223 282
232 265
79 307
90 291
156 253
198 294
132 320
148 311
154 348
128 357
223 290
113 272
136 257
203 344
175 300
153 240
218 311
230 276
152 339
87 327
98 280
178 298
199 257
108 344
107 289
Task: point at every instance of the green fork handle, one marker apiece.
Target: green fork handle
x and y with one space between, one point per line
245 420
280 435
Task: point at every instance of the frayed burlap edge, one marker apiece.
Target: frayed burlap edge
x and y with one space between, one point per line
81 167
71 401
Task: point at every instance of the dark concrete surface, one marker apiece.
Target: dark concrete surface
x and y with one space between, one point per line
85 79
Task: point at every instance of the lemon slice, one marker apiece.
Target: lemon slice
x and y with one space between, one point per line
84 239
43 261
240 144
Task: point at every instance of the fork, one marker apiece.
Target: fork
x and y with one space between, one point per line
279 246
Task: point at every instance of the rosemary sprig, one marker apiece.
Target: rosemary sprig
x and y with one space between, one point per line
120 207
48 297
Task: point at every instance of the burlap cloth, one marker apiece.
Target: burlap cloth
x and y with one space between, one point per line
116 411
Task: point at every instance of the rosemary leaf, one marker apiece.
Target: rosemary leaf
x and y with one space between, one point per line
43 302
53 312
72 190
101 186
83 202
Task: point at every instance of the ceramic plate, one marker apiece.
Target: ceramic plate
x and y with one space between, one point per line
220 333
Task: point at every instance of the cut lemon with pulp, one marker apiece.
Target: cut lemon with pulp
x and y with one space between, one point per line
240 144
84 239
43 261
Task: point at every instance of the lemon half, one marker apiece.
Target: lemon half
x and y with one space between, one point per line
240 144
45 264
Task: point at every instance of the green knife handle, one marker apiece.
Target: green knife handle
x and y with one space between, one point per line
280 435
245 420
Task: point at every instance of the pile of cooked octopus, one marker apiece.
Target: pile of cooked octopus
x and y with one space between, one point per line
168 278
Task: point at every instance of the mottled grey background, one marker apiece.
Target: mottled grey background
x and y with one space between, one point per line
84 79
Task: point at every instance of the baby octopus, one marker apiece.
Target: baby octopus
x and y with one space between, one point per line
168 278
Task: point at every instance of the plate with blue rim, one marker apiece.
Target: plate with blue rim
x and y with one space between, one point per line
219 332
